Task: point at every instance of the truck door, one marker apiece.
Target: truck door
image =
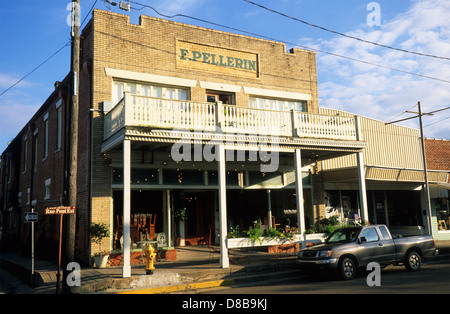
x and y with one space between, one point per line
371 247
389 252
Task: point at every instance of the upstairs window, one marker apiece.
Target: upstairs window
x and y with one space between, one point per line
277 104
156 91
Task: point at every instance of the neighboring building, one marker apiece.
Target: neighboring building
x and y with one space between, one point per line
394 177
33 174
438 158
161 104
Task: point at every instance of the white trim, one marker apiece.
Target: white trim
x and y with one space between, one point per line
276 93
145 77
221 87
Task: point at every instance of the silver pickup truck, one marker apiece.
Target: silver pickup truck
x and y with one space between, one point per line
348 249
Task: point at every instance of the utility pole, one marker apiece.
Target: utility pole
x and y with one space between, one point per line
427 187
422 138
73 137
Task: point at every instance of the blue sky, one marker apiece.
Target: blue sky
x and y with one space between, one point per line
31 31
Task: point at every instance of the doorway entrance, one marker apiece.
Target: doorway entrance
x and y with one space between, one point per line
225 98
200 207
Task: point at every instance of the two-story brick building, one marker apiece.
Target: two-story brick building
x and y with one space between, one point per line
161 104
171 117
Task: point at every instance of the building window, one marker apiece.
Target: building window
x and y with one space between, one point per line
48 185
19 198
58 124
36 145
28 196
277 104
25 154
442 208
46 136
156 91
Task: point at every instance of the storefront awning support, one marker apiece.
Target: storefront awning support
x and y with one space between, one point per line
269 211
224 260
361 174
299 193
126 270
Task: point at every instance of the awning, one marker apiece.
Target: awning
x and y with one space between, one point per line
439 190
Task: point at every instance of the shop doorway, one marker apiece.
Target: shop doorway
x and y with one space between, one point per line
200 208
146 215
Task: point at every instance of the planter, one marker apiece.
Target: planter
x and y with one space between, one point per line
247 242
179 241
101 261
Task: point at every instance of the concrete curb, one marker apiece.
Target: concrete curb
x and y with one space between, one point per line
208 284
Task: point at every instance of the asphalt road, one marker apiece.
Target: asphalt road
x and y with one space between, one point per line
433 278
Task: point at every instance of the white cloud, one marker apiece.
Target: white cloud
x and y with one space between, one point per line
381 93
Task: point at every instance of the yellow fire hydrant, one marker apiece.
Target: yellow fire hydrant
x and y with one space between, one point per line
150 256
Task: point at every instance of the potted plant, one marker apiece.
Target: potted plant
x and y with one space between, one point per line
180 216
98 231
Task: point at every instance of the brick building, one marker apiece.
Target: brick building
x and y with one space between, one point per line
162 104
438 159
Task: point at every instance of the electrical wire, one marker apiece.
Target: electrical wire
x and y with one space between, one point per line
292 44
46 60
41 64
345 35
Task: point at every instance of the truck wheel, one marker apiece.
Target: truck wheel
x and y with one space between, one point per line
348 269
413 262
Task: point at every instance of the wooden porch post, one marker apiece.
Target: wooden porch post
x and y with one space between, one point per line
299 192
224 261
126 270
361 175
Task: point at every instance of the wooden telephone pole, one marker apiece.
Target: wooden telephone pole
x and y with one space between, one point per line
70 224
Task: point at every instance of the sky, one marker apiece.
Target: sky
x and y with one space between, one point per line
355 76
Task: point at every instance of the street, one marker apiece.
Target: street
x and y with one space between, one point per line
432 279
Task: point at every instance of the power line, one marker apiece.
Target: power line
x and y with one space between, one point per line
345 35
436 122
419 114
292 44
41 64
46 60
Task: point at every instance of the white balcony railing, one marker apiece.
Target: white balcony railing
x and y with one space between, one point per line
143 111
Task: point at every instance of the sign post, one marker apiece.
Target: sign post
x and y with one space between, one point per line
32 217
61 211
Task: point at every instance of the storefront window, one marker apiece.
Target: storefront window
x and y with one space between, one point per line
138 176
343 204
442 213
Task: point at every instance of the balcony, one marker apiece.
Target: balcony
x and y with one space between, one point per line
156 113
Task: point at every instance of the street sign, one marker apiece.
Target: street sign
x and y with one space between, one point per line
60 210
31 217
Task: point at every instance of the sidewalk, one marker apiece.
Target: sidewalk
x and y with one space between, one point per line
195 268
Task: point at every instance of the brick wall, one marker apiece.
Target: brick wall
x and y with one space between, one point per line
437 154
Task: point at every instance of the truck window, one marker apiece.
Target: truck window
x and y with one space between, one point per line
370 234
384 232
